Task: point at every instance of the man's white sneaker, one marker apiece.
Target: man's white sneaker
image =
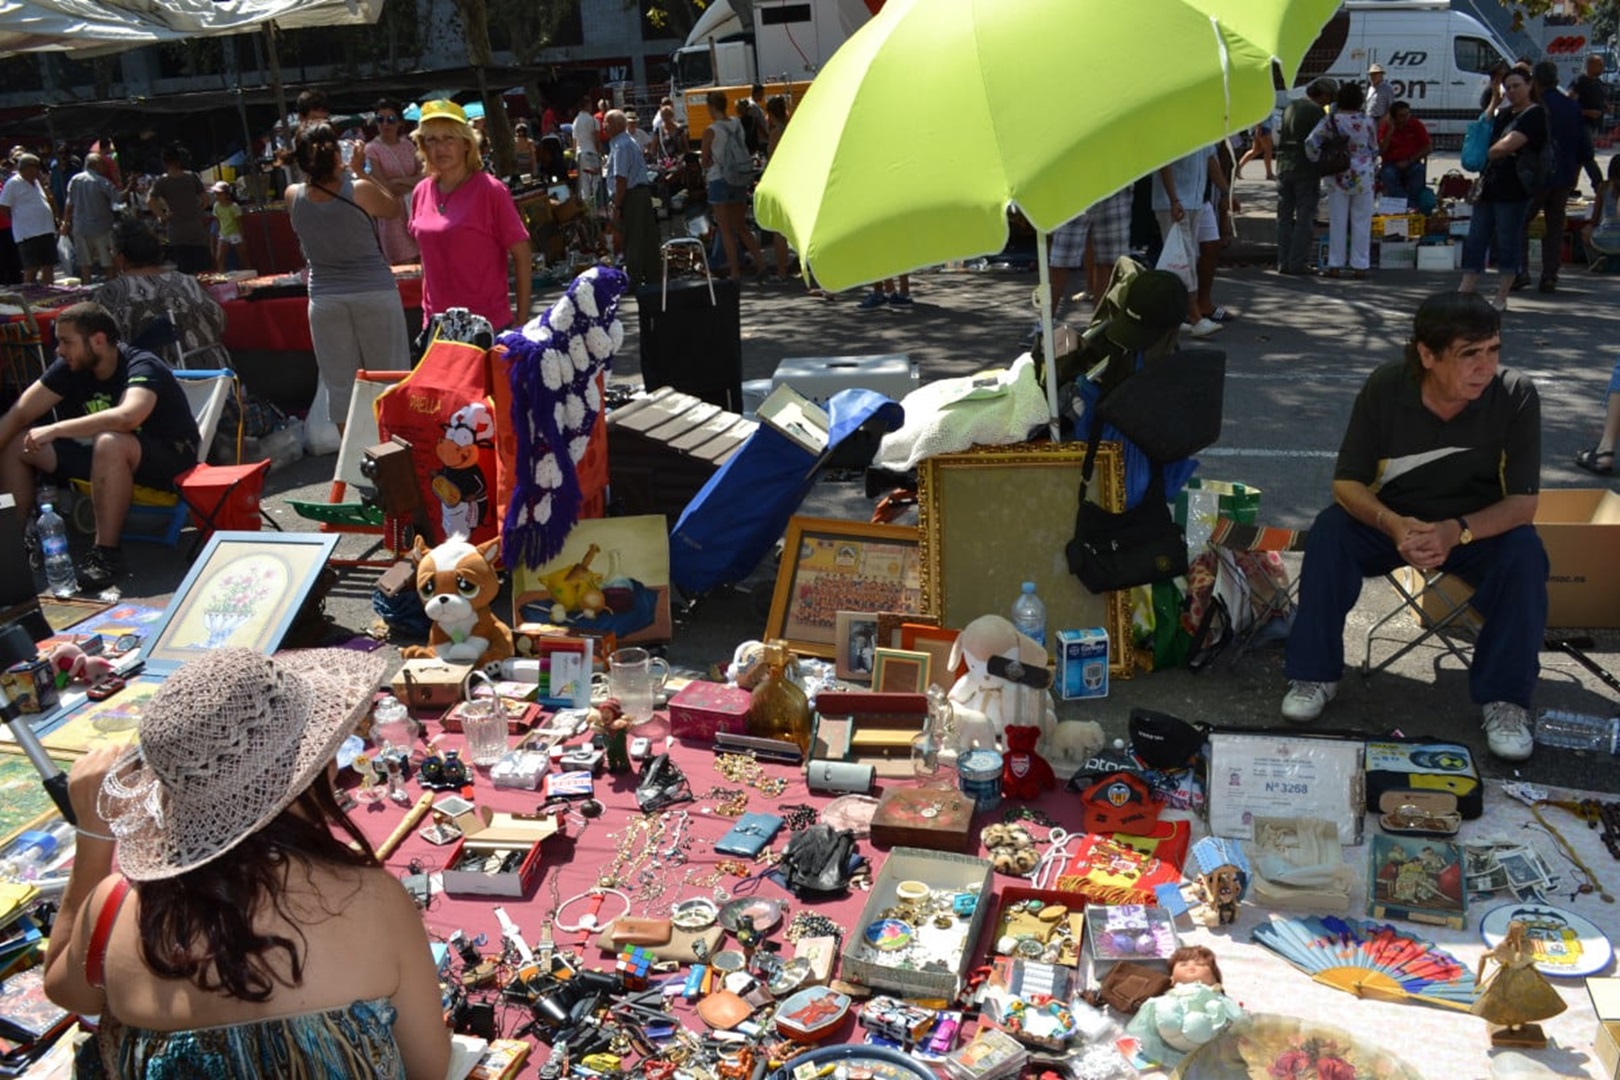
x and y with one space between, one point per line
1203 328
1306 700
1507 731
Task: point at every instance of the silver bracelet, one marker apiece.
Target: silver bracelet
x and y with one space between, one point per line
88 835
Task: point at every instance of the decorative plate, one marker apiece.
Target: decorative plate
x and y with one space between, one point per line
767 914
1289 1046
852 812
874 1062
1567 946
887 935
697 913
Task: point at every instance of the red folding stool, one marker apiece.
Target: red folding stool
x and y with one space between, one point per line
224 497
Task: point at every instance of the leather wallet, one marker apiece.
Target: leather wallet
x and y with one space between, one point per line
750 835
681 947
626 930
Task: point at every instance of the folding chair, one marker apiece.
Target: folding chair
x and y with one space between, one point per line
1236 536
157 516
1416 589
22 348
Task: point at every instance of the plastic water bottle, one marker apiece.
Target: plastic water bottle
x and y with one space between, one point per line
1578 731
1029 615
60 577
34 851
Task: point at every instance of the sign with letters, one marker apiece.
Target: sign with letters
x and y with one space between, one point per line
1285 775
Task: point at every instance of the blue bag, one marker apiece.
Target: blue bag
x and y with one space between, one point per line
1477 144
732 522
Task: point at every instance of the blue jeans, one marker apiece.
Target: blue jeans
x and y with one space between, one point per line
1405 180
1509 575
1498 225
1298 194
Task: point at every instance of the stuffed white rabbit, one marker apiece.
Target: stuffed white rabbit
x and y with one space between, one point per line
985 704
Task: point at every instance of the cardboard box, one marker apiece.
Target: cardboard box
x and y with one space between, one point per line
941 871
31 684
1439 256
1580 528
820 377
1394 255
1082 663
484 830
1605 995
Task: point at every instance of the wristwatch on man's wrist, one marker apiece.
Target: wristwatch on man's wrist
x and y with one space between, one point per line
1466 535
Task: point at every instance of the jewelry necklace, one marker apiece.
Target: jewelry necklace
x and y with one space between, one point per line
444 196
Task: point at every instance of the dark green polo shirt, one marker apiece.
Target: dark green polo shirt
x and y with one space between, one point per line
1433 469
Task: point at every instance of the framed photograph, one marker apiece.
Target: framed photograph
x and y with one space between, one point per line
857 638
828 566
243 592
611 575
937 642
997 516
900 671
889 623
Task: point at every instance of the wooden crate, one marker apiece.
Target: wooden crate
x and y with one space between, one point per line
662 449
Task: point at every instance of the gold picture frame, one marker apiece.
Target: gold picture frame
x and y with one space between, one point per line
996 516
831 565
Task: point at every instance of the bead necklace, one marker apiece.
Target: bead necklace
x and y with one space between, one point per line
745 769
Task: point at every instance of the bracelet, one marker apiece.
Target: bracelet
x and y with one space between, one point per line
88 835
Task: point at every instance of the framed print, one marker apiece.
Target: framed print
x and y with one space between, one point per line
23 799
997 516
96 724
857 637
900 671
612 575
889 623
828 566
243 591
937 642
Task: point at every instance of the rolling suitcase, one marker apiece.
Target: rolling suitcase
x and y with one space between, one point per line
691 336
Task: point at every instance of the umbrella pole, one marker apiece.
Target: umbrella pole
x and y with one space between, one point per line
1048 348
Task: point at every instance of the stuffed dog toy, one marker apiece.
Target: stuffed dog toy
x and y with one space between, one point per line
985 703
457 583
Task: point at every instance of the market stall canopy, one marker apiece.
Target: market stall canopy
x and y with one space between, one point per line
89 27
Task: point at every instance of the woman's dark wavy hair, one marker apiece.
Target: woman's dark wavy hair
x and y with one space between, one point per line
316 152
1447 318
198 926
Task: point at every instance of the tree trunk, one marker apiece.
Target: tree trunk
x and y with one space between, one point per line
497 126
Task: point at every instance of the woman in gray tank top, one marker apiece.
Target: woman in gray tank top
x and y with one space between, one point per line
356 319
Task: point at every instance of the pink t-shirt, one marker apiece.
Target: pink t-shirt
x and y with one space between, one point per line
465 241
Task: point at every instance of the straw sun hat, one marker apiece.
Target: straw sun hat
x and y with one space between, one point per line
226 744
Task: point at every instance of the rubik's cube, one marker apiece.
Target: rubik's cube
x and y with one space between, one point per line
633 967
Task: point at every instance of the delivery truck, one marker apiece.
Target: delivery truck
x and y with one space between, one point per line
779 43
1435 58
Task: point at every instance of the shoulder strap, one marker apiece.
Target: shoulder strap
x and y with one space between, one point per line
95 959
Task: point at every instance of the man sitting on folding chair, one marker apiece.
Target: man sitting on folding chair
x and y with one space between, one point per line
127 421
1439 469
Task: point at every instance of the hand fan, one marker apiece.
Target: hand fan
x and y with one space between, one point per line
1370 959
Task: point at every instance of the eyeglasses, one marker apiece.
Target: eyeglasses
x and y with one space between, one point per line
440 140
387 119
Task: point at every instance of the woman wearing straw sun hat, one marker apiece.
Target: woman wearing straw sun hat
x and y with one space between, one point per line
466 224
241 929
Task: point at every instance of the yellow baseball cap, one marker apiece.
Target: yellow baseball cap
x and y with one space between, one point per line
443 110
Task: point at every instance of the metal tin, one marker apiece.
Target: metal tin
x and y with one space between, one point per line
980 776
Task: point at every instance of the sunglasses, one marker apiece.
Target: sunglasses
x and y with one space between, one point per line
387 119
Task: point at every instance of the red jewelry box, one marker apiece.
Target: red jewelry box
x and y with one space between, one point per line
701 709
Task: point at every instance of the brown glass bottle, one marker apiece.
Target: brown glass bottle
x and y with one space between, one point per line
779 709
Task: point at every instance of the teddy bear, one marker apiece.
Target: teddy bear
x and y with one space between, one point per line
1071 744
458 585
1025 774
986 702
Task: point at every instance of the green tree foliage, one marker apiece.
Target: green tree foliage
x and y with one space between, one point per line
674 18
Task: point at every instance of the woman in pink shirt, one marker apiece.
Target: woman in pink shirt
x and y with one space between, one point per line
466 224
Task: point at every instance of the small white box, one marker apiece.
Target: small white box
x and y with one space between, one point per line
820 377
1397 256
1082 663
1439 256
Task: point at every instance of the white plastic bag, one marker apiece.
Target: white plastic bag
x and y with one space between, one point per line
321 436
1180 254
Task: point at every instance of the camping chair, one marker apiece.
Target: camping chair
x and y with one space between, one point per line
22 349
1266 606
160 516
1439 602
161 335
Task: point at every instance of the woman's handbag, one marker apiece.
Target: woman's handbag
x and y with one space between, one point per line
1117 551
1477 144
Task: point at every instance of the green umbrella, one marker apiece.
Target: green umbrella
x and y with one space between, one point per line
939 114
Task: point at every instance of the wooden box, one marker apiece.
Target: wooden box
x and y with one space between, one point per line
662 449
871 728
935 819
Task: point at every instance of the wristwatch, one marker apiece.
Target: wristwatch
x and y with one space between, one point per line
1466 536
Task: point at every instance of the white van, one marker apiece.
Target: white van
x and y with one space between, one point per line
1435 58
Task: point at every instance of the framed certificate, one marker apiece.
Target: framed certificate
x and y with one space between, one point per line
1286 775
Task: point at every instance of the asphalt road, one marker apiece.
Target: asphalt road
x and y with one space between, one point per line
1297 353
